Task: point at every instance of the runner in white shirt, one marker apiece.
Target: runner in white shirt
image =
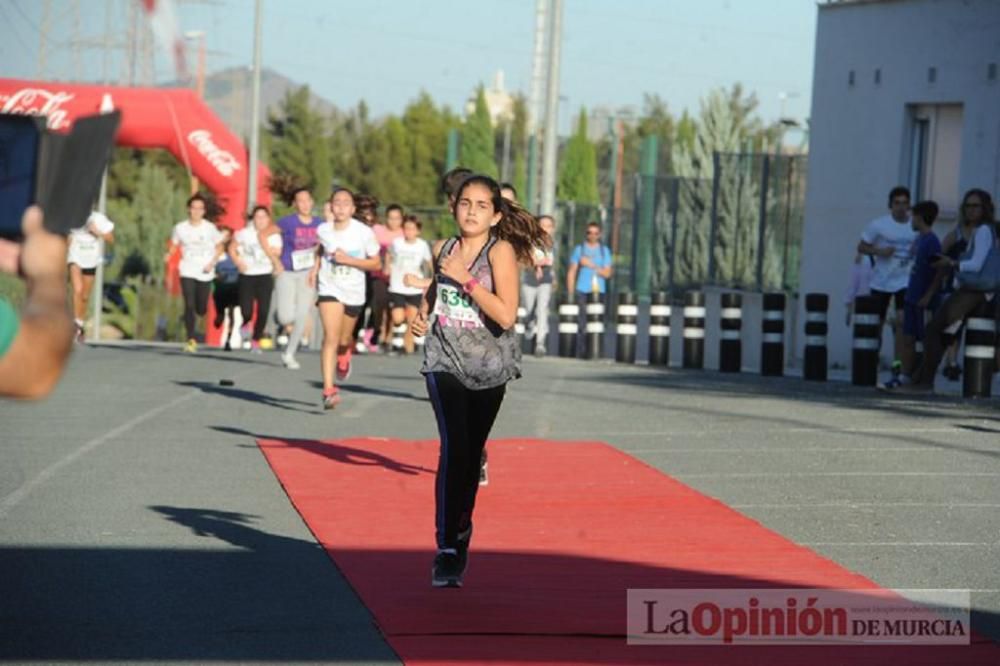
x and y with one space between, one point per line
408 255
83 257
256 249
201 245
889 239
348 249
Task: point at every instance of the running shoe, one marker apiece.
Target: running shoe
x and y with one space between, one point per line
266 344
952 372
255 347
80 336
893 383
282 340
331 400
191 346
343 367
447 570
539 351
290 362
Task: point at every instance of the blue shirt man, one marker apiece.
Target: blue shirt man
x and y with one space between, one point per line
590 266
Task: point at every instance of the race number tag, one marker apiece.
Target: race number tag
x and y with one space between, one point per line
87 249
303 259
456 306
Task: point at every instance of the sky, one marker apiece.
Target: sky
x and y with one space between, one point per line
387 51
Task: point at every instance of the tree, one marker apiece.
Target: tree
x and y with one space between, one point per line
578 167
477 139
143 225
725 126
296 143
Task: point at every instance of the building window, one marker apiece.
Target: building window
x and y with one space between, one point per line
878 76
931 74
850 78
935 152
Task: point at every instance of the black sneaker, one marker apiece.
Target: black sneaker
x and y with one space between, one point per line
484 475
952 372
447 570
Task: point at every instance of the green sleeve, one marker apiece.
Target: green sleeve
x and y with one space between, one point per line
9 324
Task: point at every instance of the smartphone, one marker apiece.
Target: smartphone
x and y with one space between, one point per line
60 172
20 147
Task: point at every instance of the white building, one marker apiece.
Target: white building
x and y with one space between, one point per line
498 100
904 92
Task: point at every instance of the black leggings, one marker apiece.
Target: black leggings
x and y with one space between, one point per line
195 294
256 289
464 419
380 305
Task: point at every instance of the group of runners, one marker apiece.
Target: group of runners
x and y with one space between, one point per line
461 298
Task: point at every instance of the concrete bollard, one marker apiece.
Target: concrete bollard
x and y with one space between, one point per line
864 355
694 330
595 326
980 347
772 345
815 361
569 327
730 325
659 329
626 316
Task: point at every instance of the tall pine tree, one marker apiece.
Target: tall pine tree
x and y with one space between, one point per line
578 167
296 143
477 139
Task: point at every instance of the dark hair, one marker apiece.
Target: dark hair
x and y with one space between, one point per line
391 207
257 208
413 219
988 210
594 224
508 186
517 226
338 190
452 181
365 202
213 207
287 186
899 191
927 210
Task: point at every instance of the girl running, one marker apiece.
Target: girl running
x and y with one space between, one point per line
201 245
348 250
83 256
409 255
381 285
472 350
298 253
256 249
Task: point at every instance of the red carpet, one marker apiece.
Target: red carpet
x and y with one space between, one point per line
561 532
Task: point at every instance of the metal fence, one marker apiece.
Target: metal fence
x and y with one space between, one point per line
739 228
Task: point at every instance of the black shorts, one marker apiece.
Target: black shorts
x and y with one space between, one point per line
883 297
349 310
402 300
86 271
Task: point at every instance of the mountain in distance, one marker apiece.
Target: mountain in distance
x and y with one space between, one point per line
229 93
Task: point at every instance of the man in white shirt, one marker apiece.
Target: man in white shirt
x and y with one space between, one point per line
889 240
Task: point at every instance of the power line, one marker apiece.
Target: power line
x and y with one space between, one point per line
17 35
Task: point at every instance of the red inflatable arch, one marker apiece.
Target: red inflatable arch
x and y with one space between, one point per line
170 118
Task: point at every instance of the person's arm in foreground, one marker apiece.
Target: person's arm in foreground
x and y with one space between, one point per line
43 340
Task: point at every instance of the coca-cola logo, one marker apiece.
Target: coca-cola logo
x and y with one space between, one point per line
222 160
38 102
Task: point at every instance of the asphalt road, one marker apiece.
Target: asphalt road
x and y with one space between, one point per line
139 521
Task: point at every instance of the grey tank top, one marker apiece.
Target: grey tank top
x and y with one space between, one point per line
463 341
